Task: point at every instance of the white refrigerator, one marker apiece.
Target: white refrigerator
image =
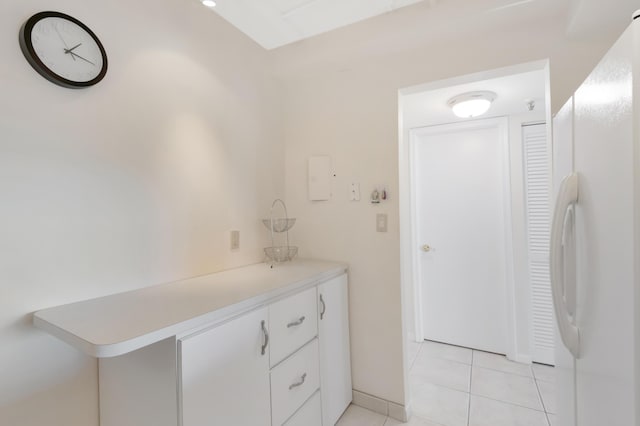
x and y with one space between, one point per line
595 243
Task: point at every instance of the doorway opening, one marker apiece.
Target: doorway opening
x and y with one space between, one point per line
474 208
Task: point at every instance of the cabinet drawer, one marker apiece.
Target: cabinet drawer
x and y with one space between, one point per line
293 382
292 323
309 415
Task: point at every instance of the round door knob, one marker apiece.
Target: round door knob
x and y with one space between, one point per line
426 247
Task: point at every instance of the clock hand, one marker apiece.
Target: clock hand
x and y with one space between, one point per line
60 35
63 42
86 60
73 48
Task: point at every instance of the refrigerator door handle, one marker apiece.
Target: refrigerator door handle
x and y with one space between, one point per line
569 261
567 197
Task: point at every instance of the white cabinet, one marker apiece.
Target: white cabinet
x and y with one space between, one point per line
294 322
335 356
224 374
309 415
293 382
139 388
285 362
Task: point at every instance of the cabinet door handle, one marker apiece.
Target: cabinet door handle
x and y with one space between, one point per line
298 383
296 323
324 307
265 333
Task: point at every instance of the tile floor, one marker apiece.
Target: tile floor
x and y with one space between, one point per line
454 386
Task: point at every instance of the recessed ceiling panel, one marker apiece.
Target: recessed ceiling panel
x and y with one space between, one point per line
288 6
274 23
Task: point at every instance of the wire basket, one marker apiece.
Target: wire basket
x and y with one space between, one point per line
279 225
280 253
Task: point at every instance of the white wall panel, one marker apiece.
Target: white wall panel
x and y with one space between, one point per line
130 183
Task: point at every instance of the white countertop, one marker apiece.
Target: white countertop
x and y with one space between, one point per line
120 323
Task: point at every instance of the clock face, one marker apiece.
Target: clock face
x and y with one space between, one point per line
63 50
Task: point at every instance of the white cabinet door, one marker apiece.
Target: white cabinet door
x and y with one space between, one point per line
224 374
335 356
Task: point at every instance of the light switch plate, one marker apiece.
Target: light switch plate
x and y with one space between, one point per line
381 222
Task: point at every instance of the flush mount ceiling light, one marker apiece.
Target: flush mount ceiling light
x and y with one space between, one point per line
471 104
209 3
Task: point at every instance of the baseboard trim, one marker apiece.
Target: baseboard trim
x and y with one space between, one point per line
381 406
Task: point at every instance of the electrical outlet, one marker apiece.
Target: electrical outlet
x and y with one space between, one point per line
235 240
381 222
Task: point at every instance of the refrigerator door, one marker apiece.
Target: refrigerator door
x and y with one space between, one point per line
603 156
565 362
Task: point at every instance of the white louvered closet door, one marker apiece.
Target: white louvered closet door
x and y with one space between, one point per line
537 170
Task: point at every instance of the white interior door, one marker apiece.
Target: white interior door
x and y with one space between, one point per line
460 192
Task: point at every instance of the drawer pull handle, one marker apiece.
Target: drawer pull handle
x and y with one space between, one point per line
300 383
266 337
296 323
324 307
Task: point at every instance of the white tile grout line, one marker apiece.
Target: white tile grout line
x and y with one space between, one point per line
533 377
539 379
488 397
482 368
544 408
448 359
415 357
505 372
510 403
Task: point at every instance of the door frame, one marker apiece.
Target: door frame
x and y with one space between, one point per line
406 245
502 124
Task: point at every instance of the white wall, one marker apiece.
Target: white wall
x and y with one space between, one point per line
341 96
131 183
138 180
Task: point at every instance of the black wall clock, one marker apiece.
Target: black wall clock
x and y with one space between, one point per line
63 50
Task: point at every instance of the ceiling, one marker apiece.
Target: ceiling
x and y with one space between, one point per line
275 23
430 107
590 17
